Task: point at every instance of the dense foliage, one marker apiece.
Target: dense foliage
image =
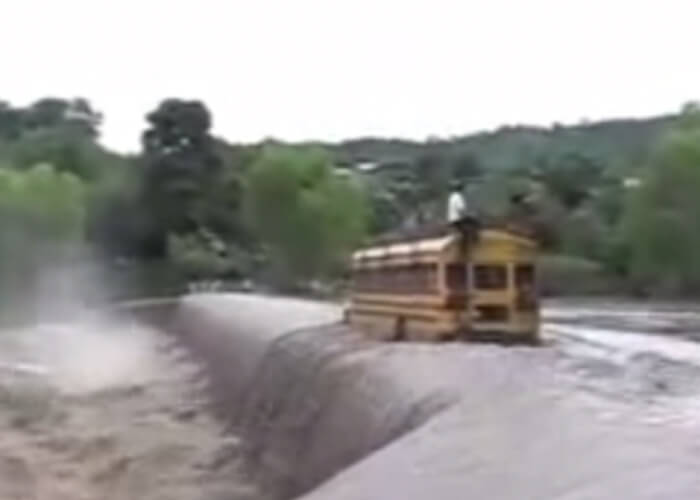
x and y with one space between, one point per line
614 203
305 214
661 222
42 215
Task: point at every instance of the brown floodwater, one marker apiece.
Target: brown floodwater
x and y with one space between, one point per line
109 411
113 410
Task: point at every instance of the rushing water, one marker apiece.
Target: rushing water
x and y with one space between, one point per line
339 418
108 410
105 411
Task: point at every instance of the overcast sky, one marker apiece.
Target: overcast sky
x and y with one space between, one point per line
332 69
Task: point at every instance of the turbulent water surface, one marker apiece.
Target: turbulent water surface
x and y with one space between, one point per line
105 411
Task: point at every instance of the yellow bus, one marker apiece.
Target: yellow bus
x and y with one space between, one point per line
440 288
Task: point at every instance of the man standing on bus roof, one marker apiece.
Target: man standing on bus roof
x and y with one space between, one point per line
456 204
458 216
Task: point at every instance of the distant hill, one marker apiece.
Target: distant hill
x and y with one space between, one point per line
613 142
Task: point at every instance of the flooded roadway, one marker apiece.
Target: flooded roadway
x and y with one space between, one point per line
645 355
610 407
601 414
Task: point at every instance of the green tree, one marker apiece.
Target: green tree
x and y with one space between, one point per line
120 223
660 222
220 210
42 215
584 234
65 149
387 207
51 112
432 172
10 122
395 195
466 166
42 201
306 214
56 131
569 177
181 166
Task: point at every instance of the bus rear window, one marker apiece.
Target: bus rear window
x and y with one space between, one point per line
490 277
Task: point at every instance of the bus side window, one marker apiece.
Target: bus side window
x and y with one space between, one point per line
456 277
383 279
404 279
398 279
405 282
384 282
431 277
413 281
392 279
371 278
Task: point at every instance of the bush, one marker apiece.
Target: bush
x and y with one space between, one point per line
307 215
202 255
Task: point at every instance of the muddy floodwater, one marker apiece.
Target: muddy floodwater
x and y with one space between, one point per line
108 411
111 410
643 353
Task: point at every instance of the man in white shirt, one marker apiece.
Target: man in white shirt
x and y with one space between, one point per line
458 216
456 205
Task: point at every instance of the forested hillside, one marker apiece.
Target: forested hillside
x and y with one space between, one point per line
618 142
614 203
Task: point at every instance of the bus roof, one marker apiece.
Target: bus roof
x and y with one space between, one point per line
435 245
431 245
